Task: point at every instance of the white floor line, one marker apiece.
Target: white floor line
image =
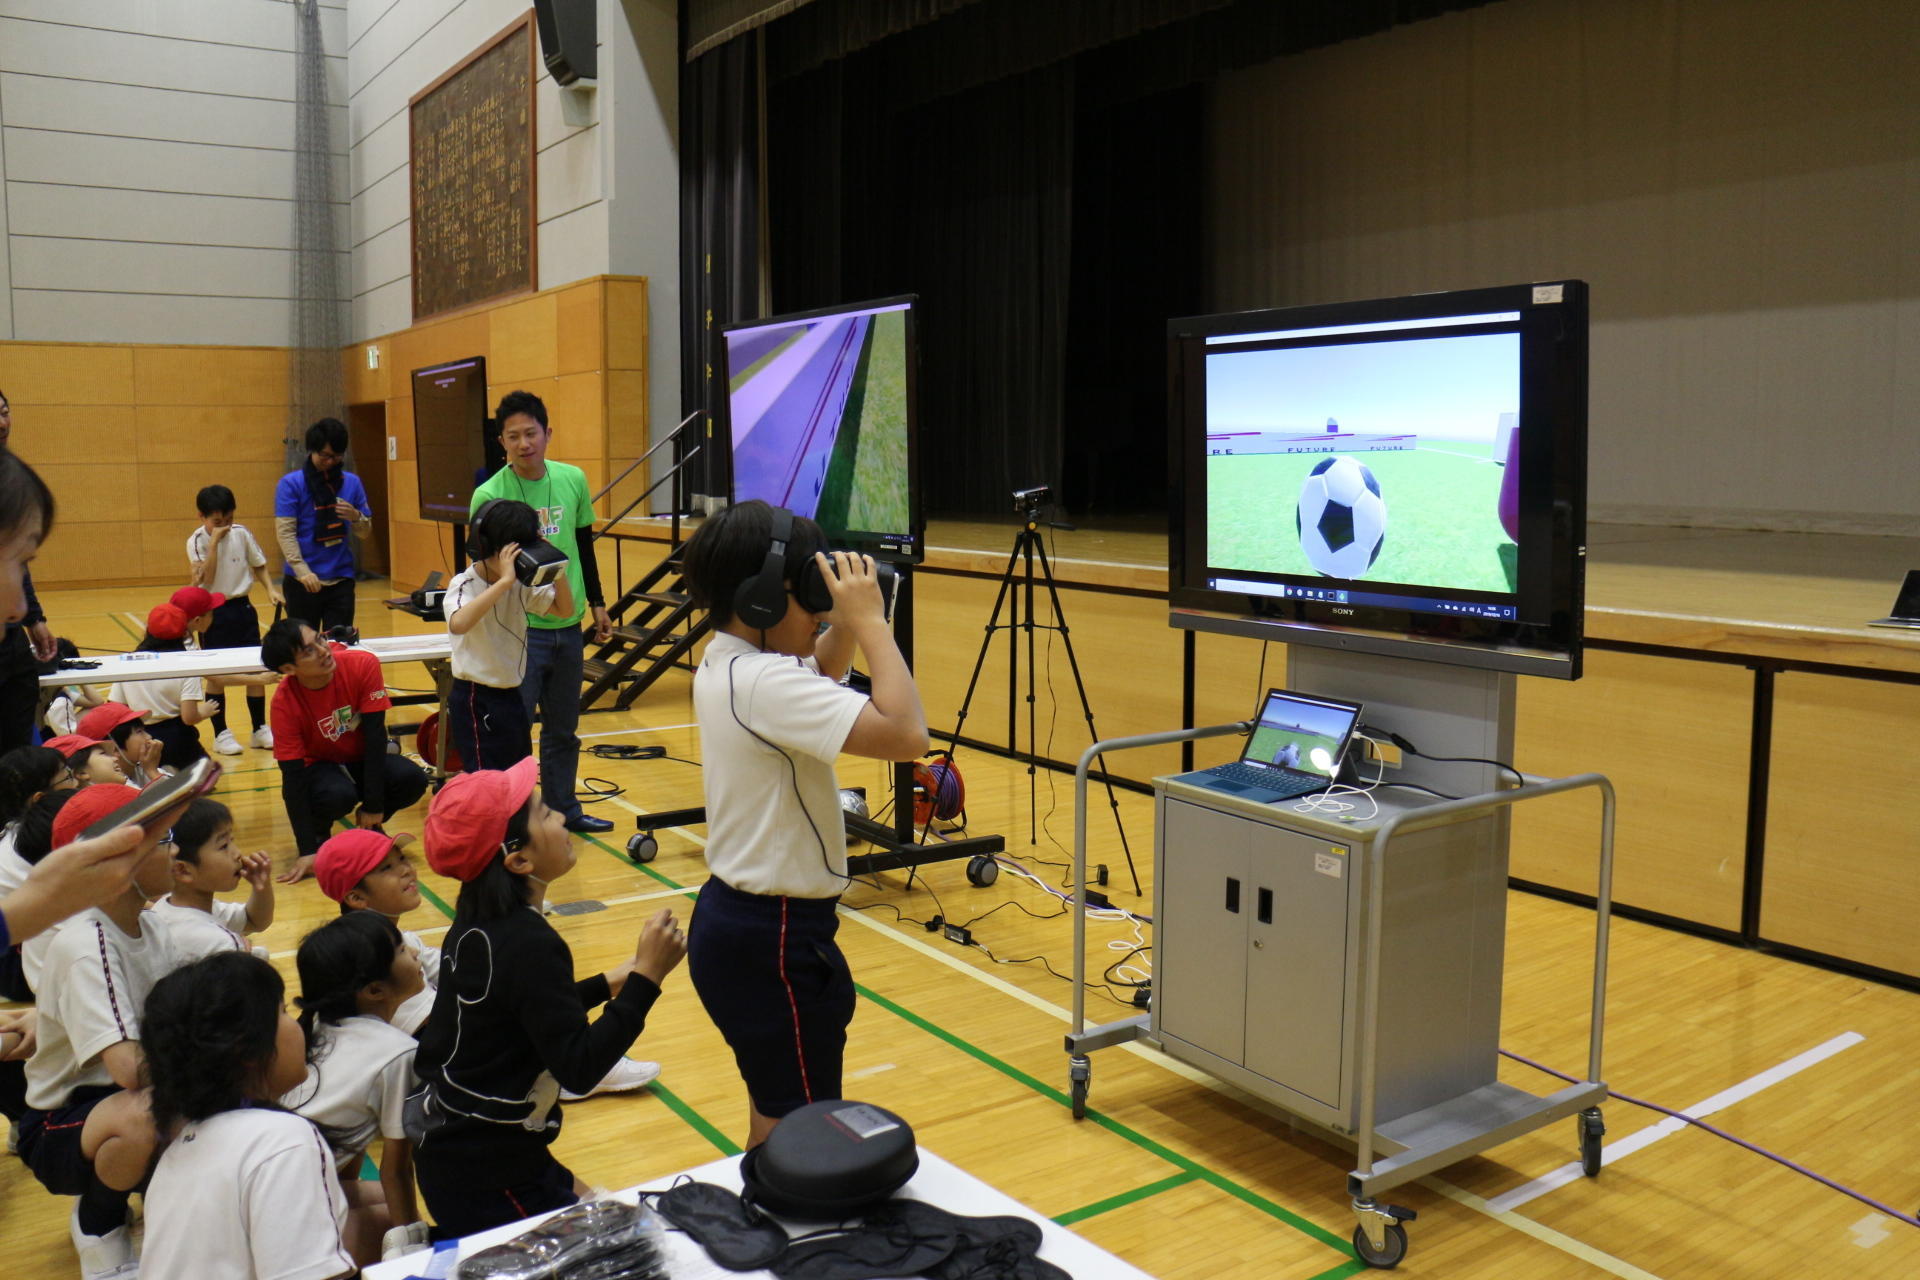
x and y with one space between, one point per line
627 733
1545 1235
1653 1133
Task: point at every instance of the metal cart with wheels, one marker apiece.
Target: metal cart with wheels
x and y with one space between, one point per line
1347 971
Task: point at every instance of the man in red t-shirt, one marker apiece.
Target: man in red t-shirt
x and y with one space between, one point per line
329 719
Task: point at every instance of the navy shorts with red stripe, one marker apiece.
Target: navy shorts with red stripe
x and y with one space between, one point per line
488 726
235 625
50 1141
775 984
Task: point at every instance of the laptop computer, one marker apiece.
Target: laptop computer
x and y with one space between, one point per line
1906 608
1295 748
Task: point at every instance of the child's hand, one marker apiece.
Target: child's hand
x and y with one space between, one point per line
150 754
503 562
275 596
216 533
662 947
257 869
855 589
404 839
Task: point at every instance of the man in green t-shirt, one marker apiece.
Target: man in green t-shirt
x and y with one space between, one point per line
558 494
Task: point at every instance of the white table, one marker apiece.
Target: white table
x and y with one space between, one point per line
434 650
937 1182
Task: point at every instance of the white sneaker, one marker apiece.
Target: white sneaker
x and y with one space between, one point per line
13 1138
263 738
226 744
627 1074
107 1257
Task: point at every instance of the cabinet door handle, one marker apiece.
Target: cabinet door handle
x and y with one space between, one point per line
1233 895
1265 912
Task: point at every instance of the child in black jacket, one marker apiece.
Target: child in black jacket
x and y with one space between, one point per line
509 1025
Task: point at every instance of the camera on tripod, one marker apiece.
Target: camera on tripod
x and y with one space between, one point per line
1030 500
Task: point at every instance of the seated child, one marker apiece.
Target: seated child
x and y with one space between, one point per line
171 709
26 773
509 1028
354 975
363 870
242 1188
205 863
117 724
88 761
86 1131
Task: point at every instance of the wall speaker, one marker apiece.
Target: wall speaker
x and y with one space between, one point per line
569 39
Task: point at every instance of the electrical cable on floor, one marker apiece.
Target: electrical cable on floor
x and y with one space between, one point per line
595 790
1718 1132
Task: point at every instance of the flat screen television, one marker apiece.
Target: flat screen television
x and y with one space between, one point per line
451 437
1404 476
820 419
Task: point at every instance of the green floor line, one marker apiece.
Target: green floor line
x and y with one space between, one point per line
1341 1272
433 897
1106 1122
124 627
641 866
701 1124
1122 1200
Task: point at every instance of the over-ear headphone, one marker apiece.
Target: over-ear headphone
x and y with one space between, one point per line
761 601
479 546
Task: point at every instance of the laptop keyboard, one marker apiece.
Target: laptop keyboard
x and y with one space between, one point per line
1253 775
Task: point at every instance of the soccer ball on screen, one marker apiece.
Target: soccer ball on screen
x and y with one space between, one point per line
1341 518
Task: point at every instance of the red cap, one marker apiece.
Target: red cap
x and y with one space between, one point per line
104 719
70 744
194 601
345 859
88 806
164 622
468 821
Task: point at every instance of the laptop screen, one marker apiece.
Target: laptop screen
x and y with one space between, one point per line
1908 605
1301 733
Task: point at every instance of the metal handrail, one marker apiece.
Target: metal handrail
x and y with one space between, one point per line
665 440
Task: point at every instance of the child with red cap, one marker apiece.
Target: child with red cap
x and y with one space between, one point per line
509 1028
119 726
172 709
86 1132
363 870
88 761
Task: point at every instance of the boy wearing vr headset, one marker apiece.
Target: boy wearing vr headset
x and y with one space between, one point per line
487 606
773 717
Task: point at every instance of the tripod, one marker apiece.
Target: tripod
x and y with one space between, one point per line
1028 547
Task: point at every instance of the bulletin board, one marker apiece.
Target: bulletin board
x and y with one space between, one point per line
471 143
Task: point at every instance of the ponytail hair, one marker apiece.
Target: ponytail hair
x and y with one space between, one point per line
24 773
336 962
208 1034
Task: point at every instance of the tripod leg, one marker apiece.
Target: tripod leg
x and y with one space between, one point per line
986 643
1086 708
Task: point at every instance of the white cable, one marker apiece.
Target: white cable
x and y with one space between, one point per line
1113 915
1327 803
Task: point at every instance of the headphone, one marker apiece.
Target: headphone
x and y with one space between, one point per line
479 546
761 601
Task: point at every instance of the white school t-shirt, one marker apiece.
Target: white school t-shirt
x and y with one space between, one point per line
493 652
246 1195
160 699
759 839
197 934
412 1015
358 1085
13 868
92 985
233 567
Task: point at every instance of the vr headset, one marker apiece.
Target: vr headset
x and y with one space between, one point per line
539 562
761 601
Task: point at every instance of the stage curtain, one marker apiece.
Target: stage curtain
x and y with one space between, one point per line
720 262
711 23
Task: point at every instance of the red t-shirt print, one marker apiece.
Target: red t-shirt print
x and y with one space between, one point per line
324 724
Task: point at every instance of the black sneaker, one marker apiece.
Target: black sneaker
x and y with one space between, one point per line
587 824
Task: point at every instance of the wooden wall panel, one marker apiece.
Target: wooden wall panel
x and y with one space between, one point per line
210 375
51 373
240 433
1674 736
522 337
627 413
1843 860
580 338
101 553
50 433
626 307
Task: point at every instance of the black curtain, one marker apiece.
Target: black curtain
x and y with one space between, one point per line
719 234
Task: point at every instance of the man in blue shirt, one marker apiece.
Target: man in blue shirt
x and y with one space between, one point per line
313 510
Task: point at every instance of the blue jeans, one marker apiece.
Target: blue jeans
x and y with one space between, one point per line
552 685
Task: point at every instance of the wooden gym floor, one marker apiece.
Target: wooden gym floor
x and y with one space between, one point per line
1177 1174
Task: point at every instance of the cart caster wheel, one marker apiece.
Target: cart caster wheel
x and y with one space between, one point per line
643 847
1386 1258
1592 1130
1079 1080
1079 1097
982 870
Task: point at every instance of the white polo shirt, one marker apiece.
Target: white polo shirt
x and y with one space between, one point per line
197 934
246 1195
358 1085
233 567
160 699
92 985
770 728
412 1015
493 652
13 868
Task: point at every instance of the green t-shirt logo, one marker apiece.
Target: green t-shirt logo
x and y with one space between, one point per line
550 518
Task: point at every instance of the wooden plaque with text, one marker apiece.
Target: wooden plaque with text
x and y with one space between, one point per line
472 152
